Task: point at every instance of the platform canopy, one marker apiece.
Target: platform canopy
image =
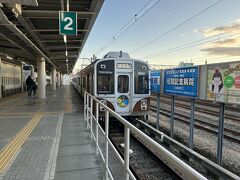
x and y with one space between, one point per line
22 2
30 28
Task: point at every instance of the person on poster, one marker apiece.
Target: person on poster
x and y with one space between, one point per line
217 85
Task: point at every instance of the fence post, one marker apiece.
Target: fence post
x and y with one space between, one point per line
158 110
126 150
172 117
97 114
192 123
106 141
220 133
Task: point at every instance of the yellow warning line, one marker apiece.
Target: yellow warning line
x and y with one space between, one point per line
68 101
9 150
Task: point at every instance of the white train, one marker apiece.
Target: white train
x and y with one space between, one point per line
118 81
11 77
28 70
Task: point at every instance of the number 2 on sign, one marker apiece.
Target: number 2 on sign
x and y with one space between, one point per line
69 23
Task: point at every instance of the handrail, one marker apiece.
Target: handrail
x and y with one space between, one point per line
177 165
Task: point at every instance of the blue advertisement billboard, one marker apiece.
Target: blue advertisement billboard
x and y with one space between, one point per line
155 81
181 81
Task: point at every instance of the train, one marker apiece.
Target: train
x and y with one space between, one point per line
11 77
120 82
29 70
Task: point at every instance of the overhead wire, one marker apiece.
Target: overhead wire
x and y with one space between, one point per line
129 24
175 27
204 58
196 45
193 44
215 57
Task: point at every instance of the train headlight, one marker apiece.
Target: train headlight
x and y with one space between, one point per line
143 104
101 107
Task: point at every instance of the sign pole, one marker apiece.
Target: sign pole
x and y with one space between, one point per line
67 5
220 134
158 110
192 123
172 116
155 88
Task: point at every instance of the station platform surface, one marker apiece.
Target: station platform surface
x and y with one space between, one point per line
46 139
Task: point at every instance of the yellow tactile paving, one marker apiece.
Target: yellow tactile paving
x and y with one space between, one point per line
68 102
9 150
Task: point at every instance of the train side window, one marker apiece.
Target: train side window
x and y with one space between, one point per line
84 82
141 85
105 84
123 84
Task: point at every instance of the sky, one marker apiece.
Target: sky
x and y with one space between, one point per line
212 36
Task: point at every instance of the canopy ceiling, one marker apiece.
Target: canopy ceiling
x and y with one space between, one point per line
27 32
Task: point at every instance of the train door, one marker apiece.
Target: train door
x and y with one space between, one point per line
123 92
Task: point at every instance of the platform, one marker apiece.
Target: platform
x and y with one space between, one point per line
46 139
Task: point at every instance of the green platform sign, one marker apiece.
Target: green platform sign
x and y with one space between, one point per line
67 23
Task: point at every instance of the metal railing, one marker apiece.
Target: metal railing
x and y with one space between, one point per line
103 147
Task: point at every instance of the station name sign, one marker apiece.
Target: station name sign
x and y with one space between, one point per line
181 81
155 81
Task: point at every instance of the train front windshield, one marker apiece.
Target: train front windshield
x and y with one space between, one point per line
105 85
141 85
105 77
141 79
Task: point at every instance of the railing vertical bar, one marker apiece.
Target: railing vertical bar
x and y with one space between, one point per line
97 114
84 108
91 117
87 110
106 141
126 151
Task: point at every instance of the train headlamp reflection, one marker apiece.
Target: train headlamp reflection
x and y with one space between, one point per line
143 104
101 107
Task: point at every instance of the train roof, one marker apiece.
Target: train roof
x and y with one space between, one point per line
111 56
119 54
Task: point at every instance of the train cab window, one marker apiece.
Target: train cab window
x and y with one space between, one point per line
141 85
123 84
105 84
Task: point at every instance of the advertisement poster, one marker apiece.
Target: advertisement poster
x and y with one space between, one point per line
224 82
155 81
181 81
